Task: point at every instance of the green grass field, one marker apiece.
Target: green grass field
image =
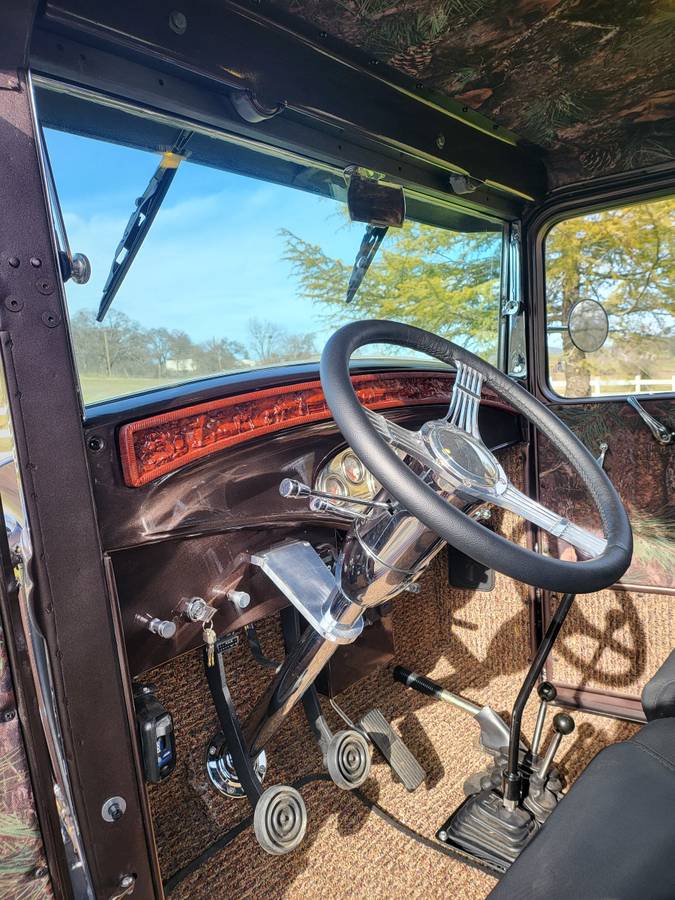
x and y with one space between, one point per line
99 387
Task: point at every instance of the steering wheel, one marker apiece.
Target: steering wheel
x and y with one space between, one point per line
462 466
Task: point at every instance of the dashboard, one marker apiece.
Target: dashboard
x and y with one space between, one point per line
187 490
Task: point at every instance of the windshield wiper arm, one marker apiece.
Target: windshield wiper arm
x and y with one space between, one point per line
369 246
140 221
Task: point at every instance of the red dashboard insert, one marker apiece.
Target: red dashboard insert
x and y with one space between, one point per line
163 443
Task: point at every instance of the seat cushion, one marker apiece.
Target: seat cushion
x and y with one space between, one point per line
613 836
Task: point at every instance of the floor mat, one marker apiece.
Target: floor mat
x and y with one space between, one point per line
472 643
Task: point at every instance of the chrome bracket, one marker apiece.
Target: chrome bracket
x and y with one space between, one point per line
304 579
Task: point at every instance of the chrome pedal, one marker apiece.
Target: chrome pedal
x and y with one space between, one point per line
394 749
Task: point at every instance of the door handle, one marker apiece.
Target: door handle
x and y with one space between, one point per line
661 432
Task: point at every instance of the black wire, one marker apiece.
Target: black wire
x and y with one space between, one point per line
226 839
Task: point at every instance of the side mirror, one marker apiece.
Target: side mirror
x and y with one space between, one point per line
373 201
588 325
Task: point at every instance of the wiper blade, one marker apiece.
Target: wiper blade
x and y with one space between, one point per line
147 207
369 246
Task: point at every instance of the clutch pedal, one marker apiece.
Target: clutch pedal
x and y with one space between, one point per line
394 749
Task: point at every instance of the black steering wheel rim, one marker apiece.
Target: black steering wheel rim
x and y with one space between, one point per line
450 523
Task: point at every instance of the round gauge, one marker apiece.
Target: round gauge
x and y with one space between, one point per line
352 468
334 485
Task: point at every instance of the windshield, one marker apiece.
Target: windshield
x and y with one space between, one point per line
238 273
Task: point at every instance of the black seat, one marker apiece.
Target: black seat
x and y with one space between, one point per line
613 836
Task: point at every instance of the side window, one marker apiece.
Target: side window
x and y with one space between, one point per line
624 341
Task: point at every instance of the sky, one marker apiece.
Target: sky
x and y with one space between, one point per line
212 259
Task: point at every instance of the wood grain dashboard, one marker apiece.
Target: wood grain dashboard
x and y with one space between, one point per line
155 446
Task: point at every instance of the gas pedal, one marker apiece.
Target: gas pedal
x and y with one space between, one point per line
392 746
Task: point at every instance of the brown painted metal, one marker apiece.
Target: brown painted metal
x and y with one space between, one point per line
191 533
71 595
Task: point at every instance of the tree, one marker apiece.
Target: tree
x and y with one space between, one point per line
624 259
446 282
219 354
271 343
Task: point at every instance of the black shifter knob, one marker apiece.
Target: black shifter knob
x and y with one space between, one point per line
563 723
547 692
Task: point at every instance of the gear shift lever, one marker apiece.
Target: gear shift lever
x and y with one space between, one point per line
547 694
563 724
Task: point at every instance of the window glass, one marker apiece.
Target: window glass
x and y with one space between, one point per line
623 259
237 273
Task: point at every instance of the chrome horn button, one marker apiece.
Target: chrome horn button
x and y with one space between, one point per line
465 459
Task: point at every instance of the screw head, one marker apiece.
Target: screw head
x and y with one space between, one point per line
35 262
14 262
96 443
442 835
177 21
440 141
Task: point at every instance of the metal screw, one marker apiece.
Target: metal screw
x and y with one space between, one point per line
35 262
41 872
442 835
213 751
14 262
177 21
9 715
440 141
113 809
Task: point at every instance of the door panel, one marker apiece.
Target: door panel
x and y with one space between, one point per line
614 640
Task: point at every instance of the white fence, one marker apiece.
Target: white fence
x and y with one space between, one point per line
636 385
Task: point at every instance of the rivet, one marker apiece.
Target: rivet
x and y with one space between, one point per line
50 319
14 262
440 141
41 872
13 304
35 262
9 715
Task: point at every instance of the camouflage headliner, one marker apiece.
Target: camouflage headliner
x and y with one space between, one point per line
588 81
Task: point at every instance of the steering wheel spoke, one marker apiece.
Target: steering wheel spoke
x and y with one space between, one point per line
558 526
399 438
465 400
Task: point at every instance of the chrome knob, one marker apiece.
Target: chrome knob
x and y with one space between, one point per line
162 628
290 487
239 598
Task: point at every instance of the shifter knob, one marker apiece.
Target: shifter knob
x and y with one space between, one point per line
563 723
547 692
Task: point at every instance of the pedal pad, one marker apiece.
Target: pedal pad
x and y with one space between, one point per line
392 746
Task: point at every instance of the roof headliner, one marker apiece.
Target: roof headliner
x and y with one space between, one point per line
590 82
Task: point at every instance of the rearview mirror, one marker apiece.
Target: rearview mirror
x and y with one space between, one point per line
373 201
588 325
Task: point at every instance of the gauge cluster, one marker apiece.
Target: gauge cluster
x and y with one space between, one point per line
345 477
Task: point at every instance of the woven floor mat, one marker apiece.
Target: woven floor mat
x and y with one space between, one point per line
474 644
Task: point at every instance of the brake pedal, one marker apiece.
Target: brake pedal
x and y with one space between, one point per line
394 749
